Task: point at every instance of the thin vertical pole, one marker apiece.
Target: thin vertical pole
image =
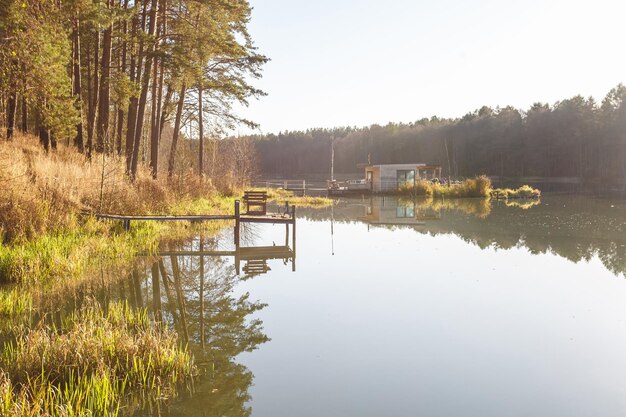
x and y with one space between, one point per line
332 158
237 224
293 238
202 327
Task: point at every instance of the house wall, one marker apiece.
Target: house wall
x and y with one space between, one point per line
375 178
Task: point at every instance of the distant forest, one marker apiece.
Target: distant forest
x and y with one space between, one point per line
576 137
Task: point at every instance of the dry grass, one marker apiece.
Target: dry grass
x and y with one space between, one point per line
475 187
46 231
46 193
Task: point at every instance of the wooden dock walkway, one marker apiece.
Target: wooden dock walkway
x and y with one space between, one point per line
289 217
248 254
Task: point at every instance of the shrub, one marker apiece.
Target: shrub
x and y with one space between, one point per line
475 187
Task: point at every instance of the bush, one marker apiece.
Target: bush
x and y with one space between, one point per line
475 187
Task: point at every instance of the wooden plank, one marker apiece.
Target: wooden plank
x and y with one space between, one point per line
264 219
190 253
164 217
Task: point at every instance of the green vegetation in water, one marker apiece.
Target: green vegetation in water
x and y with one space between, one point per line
474 187
525 191
91 365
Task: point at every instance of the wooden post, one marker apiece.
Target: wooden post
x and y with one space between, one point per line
285 185
237 223
127 224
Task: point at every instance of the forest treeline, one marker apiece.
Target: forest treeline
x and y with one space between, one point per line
576 137
124 77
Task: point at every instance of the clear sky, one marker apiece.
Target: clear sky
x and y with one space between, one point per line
359 62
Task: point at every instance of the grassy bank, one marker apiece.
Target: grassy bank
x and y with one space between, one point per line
91 365
475 187
47 231
50 244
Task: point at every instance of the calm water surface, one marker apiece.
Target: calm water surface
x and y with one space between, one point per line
511 312
402 308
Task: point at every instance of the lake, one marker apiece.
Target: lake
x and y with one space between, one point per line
388 307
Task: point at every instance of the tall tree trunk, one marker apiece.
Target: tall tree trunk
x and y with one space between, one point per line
120 112
93 102
133 102
179 113
104 100
78 140
11 111
24 115
154 123
200 132
165 110
145 84
44 137
24 102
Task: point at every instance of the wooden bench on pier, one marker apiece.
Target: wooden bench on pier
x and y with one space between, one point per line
256 203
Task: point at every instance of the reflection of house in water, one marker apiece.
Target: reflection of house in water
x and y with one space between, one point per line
394 211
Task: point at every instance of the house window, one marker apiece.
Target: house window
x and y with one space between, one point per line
405 177
405 212
369 176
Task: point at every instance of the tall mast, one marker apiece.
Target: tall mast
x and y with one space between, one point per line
332 157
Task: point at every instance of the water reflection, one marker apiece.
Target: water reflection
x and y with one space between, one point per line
323 321
574 227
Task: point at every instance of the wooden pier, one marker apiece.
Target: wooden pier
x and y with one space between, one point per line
289 217
255 257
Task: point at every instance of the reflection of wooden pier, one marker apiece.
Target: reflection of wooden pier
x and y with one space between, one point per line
255 257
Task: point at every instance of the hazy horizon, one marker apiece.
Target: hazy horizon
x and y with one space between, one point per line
364 63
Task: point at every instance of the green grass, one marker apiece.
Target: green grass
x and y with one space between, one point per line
91 365
69 255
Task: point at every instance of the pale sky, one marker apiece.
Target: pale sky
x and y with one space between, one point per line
355 63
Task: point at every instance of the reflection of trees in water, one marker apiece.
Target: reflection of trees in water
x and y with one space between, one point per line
195 296
574 227
197 299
